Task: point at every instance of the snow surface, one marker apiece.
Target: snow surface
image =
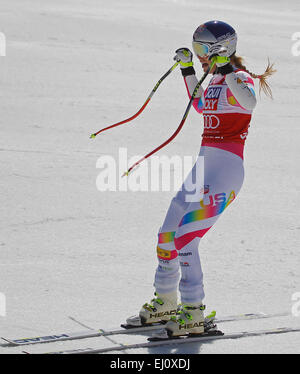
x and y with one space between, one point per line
67 249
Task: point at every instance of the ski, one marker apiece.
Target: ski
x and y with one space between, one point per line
156 342
77 335
126 329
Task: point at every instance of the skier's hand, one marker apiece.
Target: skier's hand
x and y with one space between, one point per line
184 56
218 54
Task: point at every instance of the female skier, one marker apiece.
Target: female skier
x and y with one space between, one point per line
226 104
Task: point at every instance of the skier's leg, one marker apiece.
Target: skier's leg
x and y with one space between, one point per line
167 274
223 178
168 271
191 282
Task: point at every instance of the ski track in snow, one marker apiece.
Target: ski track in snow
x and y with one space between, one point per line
76 66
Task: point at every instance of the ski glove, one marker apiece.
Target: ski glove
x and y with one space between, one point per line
217 54
184 56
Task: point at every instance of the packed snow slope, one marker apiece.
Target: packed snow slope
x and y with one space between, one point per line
68 249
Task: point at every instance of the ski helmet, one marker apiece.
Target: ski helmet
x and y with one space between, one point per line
212 34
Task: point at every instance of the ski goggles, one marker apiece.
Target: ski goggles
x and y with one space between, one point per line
200 49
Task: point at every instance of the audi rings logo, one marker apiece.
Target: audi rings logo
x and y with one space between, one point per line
211 121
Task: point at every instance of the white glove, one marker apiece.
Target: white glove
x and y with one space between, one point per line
184 56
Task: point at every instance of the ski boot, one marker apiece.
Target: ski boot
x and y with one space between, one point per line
210 322
189 320
188 323
159 310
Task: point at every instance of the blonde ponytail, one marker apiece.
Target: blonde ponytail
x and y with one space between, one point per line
263 84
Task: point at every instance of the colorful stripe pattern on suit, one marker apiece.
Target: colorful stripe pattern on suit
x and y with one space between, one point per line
208 211
166 254
166 237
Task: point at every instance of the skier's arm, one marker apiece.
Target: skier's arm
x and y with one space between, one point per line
240 83
242 88
184 56
190 83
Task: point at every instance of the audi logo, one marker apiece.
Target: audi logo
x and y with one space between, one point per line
211 121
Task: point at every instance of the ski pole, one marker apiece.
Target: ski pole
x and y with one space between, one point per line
143 106
180 125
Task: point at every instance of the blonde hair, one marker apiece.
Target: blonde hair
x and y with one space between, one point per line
238 61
